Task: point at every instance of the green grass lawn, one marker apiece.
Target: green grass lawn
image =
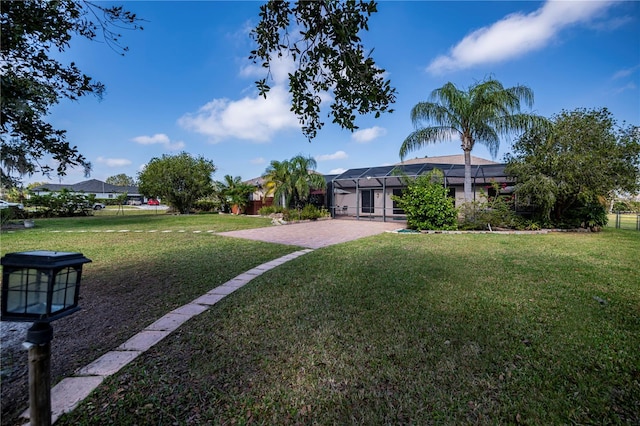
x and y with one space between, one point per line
404 329
393 329
627 221
181 253
145 220
135 277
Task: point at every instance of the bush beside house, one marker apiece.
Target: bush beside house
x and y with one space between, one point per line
427 204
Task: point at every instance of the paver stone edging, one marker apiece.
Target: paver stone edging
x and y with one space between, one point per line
71 391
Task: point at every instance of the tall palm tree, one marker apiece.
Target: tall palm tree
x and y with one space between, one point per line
304 177
234 191
292 180
480 114
278 182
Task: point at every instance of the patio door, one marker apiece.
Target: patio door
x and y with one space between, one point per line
367 200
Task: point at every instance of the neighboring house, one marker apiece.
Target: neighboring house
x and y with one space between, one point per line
102 190
367 191
259 197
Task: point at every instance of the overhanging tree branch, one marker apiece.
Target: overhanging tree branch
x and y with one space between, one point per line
32 81
329 56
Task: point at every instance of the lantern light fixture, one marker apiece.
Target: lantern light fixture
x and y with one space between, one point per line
40 286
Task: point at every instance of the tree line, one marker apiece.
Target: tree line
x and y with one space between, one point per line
183 180
566 167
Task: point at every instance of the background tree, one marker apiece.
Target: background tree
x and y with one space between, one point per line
33 80
323 39
568 170
179 180
427 204
304 178
121 200
233 191
480 114
278 182
291 181
121 180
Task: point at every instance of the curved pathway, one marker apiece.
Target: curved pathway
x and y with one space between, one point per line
69 392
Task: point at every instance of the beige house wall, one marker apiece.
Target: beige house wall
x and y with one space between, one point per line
348 204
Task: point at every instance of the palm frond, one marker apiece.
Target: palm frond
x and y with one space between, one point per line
482 113
426 136
486 135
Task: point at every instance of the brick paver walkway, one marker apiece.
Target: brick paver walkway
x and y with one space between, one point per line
67 394
316 234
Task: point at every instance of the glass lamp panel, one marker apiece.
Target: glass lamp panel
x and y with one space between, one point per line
64 289
37 285
16 291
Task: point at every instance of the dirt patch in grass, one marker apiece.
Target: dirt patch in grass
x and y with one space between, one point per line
134 280
106 320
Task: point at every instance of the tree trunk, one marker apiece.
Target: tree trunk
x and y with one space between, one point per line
468 193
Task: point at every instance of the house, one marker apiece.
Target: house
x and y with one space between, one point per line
101 190
259 197
366 192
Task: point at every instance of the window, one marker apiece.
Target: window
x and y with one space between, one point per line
398 193
367 201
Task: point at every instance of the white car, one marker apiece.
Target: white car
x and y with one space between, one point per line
5 205
98 206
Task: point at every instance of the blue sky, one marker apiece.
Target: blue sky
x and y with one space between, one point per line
186 83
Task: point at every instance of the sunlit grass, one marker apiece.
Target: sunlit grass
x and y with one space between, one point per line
410 329
145 221
135 277
623 221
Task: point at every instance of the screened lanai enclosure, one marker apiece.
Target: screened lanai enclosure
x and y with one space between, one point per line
365 193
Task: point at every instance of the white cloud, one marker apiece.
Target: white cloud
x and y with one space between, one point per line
517 34
337 171
624 72
628 86
250 118
280 69
161 139
367 135
253 117
114 162
338 155
258 160
612 24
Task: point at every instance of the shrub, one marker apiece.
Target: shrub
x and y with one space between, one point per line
62 204
308 212
427 204
311 212
589 215
491 212
207 205
267 210
6 215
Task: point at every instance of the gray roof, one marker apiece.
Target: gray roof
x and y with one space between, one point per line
372 177
91 186
447 159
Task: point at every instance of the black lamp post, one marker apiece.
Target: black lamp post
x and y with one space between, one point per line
40 287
